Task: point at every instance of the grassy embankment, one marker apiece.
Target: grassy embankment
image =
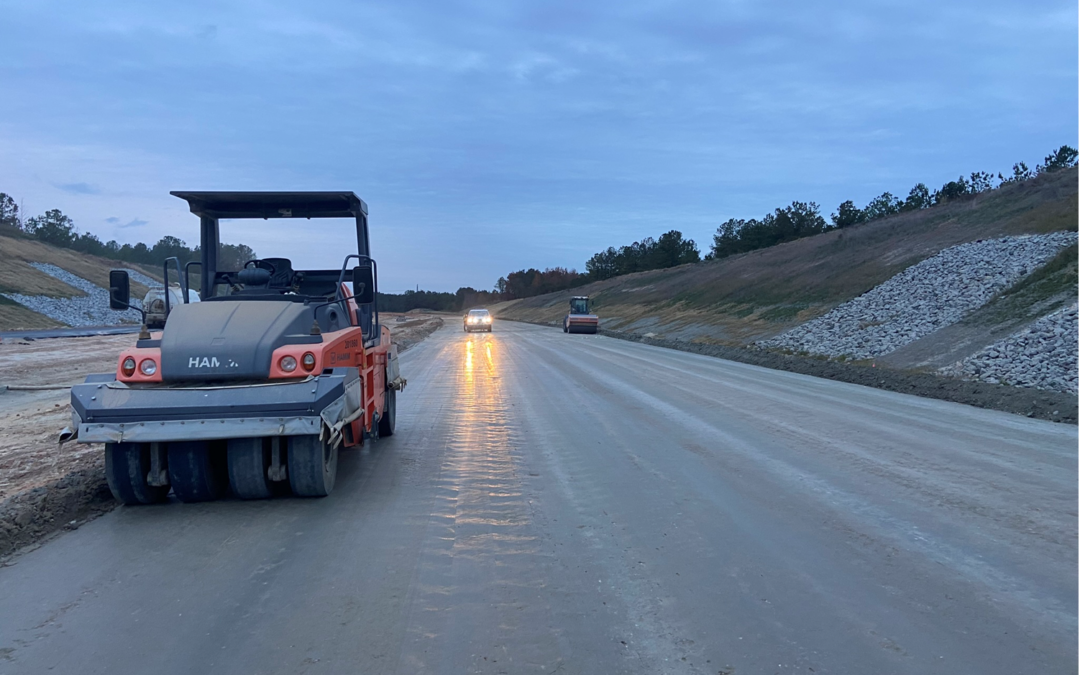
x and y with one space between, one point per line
755 295
17 276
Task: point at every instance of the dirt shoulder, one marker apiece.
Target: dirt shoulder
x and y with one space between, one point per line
45 488
409 329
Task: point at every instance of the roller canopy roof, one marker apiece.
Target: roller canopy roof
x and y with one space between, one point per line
274 204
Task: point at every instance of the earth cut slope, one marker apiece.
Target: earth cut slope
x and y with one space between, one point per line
758 295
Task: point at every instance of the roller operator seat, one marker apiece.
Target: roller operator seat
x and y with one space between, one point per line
282 278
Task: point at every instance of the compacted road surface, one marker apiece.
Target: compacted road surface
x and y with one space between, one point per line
576 504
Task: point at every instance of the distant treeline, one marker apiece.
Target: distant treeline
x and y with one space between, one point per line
465 298
800 219
530 282
803 219
648 254
59 230
783 225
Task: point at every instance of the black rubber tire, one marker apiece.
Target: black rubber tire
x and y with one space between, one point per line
126 466
197 470
389 416
312 466
248 461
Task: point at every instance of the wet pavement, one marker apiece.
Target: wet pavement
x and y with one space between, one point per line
576 504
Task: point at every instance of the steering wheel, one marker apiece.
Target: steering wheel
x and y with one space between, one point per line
262 264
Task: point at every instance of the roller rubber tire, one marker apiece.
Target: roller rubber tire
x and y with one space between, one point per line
248 460
389 416
197 470
126 466
312 466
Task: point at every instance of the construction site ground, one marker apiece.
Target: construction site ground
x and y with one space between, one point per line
554 503
45 487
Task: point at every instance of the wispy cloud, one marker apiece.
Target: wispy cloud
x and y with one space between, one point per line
520 134
79 188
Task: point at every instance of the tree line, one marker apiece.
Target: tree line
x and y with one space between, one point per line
669 250
56 229
737 235
803 219
464 298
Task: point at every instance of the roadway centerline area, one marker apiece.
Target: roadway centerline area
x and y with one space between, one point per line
579 504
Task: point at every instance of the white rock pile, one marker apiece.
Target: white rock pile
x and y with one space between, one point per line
926 297
1043 356
91 309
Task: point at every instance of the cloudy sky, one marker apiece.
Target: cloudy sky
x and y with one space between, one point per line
488 136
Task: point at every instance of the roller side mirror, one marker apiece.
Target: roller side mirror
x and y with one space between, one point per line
119 290
363 284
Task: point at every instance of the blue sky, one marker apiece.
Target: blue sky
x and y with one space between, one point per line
490 136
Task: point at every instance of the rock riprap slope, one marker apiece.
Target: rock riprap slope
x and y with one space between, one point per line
91 309
1043 356
926 297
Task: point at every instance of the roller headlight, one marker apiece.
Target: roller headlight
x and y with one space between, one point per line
148 367
288 363
128 367
308 362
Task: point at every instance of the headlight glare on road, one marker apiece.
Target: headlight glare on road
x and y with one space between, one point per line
148 367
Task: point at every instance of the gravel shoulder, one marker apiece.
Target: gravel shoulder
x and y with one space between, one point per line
45 488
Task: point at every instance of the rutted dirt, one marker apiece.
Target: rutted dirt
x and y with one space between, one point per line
45 488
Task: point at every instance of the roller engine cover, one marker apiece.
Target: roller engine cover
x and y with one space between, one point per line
230 340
